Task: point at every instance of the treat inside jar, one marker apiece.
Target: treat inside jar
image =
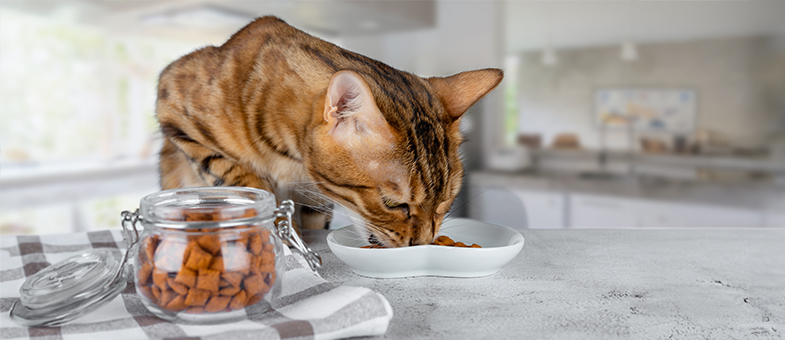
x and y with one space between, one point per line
204 270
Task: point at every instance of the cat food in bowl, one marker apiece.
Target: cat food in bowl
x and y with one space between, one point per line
445 240
499 246
439 241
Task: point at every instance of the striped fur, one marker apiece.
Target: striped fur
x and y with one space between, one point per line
257 112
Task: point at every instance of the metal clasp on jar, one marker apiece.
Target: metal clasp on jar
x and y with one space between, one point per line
287 233
131 238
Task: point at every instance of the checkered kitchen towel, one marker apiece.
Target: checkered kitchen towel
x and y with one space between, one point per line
312 307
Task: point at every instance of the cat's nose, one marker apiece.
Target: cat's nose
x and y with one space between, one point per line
417 242
414 241
421 239
421 234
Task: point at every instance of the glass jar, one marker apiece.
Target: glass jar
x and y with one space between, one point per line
206 255
211 255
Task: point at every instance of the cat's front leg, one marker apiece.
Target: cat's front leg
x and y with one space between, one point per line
315 219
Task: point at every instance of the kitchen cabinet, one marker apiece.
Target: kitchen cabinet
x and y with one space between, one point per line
519 209
672 215
544 210
594 211
773 219
558 201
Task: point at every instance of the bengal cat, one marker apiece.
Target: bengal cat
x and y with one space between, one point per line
277 109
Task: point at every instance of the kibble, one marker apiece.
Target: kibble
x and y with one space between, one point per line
440 241
204 273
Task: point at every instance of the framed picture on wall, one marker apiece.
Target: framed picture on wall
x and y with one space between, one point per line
666 110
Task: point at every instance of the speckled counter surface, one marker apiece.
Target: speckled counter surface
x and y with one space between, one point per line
588 284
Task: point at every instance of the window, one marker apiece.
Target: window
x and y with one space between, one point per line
75 92
76 107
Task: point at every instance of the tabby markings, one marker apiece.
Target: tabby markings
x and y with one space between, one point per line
266 139
327 189
333 182
173 132
319 55
205 164
206 133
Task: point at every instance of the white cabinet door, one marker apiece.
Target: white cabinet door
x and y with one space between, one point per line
544 210
591 211
773 219
674 215
498 206
521 208
518 209
594 211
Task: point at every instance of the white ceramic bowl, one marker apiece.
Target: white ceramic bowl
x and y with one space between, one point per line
499 246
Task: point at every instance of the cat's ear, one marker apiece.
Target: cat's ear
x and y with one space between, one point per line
349 108
460 91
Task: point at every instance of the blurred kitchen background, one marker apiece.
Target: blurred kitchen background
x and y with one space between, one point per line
612 114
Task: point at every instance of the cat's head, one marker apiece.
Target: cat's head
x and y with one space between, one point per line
388 151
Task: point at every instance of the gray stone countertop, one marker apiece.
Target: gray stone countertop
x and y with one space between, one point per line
589 284
759 196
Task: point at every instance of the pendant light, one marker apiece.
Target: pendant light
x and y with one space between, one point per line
629 52
549 57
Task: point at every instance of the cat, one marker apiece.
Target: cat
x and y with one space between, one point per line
277 109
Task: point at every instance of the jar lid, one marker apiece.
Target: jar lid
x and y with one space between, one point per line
166 209
69 289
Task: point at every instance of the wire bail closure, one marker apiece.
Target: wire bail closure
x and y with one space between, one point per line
286 232
131 238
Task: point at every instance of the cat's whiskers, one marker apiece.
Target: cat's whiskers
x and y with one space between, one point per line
455 176
314 195
470 200
360 226
359 234
359 230
323 203
379 230
320 208
453 226
300 188
357 237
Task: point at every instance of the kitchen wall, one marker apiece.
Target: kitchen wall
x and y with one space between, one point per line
735 80
455 44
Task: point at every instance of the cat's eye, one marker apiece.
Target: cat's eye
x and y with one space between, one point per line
390 203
